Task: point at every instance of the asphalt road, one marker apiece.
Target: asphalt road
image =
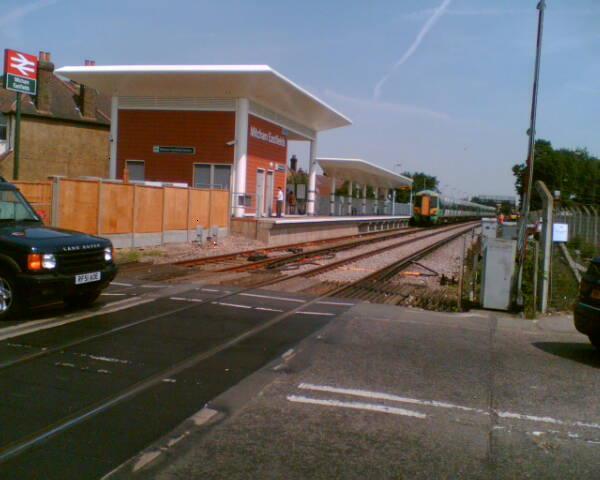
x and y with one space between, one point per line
386 392
81 398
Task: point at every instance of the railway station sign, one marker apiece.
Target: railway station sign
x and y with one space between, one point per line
174 149
20 72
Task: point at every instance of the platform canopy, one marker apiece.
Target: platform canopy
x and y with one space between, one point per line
363 173
259 83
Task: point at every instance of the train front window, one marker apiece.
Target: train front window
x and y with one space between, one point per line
419 201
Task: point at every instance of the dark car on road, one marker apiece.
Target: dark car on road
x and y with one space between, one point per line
41 265
587 308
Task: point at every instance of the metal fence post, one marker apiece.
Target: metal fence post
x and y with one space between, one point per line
546 242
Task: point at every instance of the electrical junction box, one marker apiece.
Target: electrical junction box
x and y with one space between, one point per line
498 271
489 227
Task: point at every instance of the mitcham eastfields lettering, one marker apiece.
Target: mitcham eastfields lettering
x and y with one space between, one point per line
267 136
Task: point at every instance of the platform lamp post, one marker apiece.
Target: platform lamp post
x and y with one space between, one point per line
521 242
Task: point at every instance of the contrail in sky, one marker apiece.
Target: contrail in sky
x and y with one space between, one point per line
437 13
24 10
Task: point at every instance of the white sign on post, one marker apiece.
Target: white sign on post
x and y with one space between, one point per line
560 232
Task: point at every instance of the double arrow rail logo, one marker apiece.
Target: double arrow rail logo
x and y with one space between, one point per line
23 65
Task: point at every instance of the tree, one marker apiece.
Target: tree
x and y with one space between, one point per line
421 181
574 173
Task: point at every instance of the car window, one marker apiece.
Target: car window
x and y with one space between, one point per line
14 207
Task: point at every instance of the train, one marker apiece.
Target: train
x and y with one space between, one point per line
431 208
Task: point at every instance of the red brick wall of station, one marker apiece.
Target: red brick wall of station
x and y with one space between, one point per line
265 155
208 132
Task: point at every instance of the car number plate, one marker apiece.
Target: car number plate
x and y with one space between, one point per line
596 293
87 278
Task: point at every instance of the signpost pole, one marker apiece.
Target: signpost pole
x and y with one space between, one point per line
17 137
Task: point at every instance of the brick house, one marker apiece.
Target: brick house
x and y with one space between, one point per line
64 129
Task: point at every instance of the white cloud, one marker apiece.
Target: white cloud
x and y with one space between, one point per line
18 13
400 108
428 25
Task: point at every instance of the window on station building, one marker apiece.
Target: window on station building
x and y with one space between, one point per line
208 175
3 128
137 170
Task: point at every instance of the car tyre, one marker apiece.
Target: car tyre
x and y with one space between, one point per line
10 302
82 300
595 339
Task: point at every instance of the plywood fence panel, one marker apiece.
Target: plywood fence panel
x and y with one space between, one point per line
148 214
116 210
219 208
176 208
39 194
78 205
198 209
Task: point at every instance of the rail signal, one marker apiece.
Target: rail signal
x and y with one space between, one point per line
20 72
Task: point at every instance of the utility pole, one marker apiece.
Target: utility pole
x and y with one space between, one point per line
522 239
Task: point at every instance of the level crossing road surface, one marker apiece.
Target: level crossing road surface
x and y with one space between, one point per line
82 397
386 392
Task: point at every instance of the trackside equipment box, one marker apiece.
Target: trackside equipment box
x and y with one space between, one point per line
498 270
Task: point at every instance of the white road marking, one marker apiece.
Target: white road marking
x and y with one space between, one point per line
343 304
234 305
555 421
101 358
373 407
52 322
271 297
438 404
119 284
185 299
265 309
317 313
113 294
213 290
385 396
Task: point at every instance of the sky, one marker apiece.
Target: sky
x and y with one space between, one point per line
441 86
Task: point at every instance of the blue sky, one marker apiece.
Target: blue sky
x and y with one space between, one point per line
456 106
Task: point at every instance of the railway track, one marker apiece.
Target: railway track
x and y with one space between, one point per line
255 259
377 275
378 287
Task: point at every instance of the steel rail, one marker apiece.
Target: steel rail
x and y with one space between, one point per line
381 277
352 259
194 262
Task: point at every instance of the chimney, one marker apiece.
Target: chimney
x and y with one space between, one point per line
293 163
88 97
43 99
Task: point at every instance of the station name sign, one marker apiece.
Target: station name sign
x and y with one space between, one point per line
20 72
267 136
174 149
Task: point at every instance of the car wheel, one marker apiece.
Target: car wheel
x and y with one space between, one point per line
9 300
595 339
82 300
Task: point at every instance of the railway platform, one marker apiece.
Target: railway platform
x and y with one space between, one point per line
300 228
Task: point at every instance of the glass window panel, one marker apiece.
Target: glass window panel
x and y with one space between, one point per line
222 174
202 176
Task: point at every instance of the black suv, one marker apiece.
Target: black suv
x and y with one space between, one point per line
40 265
587 308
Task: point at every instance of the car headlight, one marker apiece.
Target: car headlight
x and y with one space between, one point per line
48 261
108 254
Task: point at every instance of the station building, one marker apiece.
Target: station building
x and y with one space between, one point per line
228 127
210 126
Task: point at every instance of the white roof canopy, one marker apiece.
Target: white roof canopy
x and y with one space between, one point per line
362 172
259 83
